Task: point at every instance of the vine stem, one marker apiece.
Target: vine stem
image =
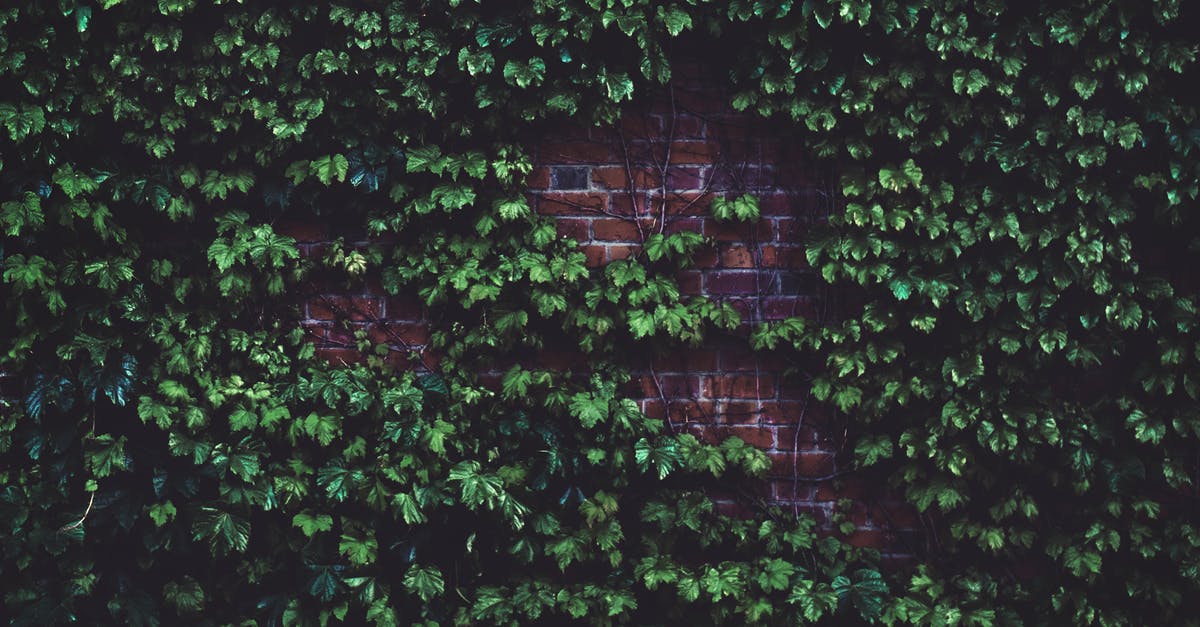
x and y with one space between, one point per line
92 498
78 523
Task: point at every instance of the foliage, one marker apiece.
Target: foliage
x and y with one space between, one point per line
1010 213
177 454
1014 192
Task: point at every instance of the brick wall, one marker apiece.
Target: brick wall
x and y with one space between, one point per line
657 171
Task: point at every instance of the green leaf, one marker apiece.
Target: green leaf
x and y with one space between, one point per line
325 584
83 15
310 524
512 208
359 549
223 531
424 581
329 168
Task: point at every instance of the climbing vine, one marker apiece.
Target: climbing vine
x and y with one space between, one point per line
1016 353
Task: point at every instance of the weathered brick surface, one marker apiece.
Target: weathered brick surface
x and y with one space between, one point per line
657 171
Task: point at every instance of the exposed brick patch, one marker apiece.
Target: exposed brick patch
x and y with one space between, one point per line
658 170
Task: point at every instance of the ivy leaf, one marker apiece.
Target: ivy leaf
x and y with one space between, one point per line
359 549
324 585
589 409
641 323
310 524
186 597
83 15
242 419
106 454
425 159
224 532
337 480
676 20
900 288
330 168
775 574
424 581
432 383
511 208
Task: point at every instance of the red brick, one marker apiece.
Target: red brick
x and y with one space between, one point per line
737 256
895 515
303 230
791 491
685 178
402 333
788 230
403 308
572 203
856 513
377 334
594 254
690 282
705 433
780 307
689 126
776 204
746 306
654 408
690 410
737 231
740 386
315 333
806 465
704 258
538 179
668 386
793 392
733 509
792 498
796 173
792 438
742 359
430 359
679 225
686 203
842 488
869 539
721 283
581 151
622 252
617 177
373 283
615 230
690 360
340 336
772 152
741 412
693 151
758 437
399 359
573 228
356 308
698 101
792 257
731 126
623 203
638 126
339 356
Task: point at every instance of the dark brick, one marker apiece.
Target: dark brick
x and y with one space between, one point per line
721 283
569 177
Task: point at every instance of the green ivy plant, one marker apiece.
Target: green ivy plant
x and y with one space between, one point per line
1016 356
